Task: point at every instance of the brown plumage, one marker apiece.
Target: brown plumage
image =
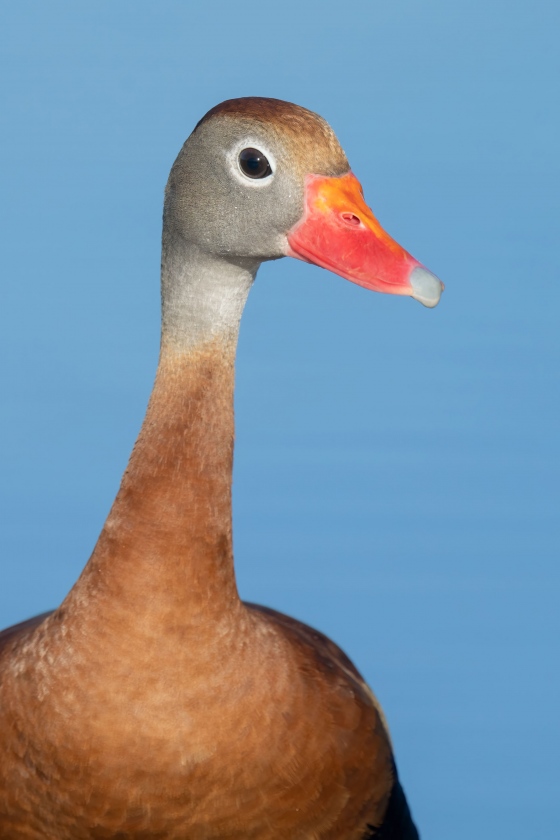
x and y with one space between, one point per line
323 154
153 703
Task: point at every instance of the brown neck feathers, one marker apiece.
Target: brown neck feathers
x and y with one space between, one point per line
166 547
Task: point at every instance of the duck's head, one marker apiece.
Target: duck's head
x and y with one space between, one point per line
260 179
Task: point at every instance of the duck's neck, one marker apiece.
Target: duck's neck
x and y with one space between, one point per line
165 552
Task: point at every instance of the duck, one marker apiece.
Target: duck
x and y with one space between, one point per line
153 702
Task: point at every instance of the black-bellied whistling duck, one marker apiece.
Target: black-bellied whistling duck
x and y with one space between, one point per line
154 703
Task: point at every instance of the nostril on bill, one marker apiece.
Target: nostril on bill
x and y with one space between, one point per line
350 219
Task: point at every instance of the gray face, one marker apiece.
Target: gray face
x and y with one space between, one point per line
211 203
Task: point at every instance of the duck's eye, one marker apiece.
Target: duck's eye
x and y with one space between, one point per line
254 164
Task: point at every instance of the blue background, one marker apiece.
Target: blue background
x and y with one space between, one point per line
396 479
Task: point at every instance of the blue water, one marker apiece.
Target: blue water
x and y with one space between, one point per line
396 477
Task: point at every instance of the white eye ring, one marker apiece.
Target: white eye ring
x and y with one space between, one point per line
235 167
